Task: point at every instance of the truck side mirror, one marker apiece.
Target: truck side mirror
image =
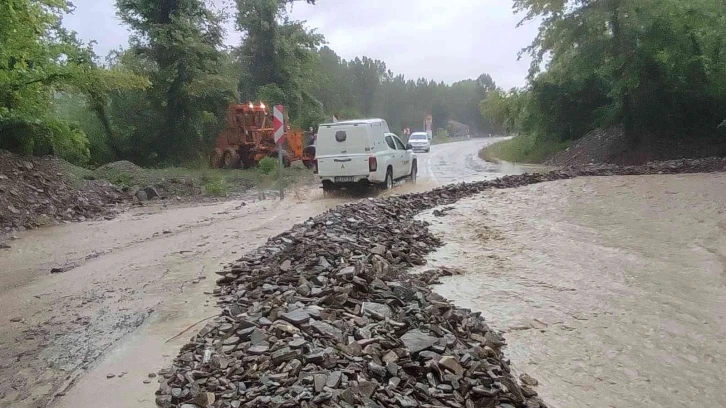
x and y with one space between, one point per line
409 146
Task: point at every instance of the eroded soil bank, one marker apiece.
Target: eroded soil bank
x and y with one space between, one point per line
610 291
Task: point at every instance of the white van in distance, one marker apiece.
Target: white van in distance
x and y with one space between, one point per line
360 153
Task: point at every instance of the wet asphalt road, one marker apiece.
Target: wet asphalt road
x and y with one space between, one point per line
459 161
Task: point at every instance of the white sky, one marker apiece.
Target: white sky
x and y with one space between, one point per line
444 40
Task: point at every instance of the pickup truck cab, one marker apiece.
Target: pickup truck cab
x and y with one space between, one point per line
360 153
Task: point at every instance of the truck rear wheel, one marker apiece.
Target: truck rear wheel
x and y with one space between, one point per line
231 159
388 184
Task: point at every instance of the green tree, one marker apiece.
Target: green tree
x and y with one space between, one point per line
278 55
652 66
38 59
178 45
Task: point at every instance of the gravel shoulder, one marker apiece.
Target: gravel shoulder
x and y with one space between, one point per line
610 291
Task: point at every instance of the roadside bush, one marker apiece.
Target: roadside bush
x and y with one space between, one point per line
441 136
523 149
44 137
268 165
215 185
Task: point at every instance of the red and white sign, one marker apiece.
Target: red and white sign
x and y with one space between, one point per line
278 123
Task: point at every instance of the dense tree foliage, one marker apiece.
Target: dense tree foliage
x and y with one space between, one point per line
177 44
38 60
653 66
277 57
366 87
162 100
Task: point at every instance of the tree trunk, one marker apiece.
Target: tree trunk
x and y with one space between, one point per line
622 51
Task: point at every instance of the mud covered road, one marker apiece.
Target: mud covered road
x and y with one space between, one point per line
610 291
124 289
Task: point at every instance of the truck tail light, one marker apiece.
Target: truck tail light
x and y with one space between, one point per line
315 166
372 164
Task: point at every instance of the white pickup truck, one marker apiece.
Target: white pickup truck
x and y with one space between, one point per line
361 153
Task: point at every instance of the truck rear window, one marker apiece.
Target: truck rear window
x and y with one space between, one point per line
341 136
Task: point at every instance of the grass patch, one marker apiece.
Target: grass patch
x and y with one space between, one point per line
215 186
268 165
441 137
522 149
179 181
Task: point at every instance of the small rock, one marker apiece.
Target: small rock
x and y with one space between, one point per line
451 364
257 350
379 250
377 310
367 388
296 317
334 379
327 330
416 340
284 354
347 271
390 357
231 340
16 319
297 343
110 375
164 401
526 379
151 192
141 195
319 381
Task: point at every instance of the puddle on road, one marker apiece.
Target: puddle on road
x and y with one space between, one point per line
610 291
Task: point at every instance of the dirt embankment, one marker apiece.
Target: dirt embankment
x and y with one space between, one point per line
612 146
36 192
326 313
42 191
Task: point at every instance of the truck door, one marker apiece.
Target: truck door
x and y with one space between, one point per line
404 159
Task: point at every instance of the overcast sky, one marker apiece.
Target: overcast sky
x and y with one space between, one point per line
444 40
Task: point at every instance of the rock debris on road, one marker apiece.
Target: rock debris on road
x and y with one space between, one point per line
322 315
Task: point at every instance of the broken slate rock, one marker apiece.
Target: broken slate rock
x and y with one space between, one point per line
319 381
377 310
284 354
327 330
416 340
296 317
451 364
257 350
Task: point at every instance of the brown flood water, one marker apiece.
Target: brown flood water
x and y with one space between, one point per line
610 291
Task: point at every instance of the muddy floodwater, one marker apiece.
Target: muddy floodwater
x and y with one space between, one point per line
611 291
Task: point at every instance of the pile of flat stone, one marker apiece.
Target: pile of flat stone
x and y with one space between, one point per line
327 315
